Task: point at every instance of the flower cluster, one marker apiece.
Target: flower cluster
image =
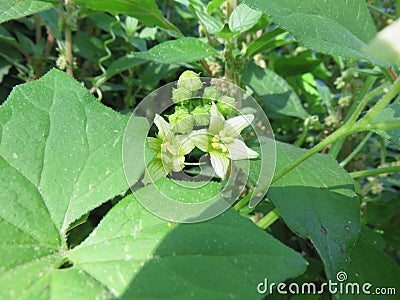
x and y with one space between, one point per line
210 123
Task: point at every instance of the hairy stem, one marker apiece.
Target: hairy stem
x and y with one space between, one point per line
373 172
337 146
68 40
385 100
269 219
356 150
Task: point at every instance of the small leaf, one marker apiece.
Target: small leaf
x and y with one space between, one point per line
317 201
389 113
369 264
274 92
267 42
15 9
143 10
178 51
243 18
211 24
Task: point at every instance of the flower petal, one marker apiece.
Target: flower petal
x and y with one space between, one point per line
154 144
164 129
178 163
217 120
220 163
154 171
238 150
186 144
200 139
234 126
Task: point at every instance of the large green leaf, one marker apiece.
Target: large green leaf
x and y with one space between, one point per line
178 51
369 264
60 157
336 27
389 113
14 9
275 93
317 201
225 257
144 10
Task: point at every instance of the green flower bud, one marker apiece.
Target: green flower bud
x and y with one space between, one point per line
201 115
181 94
226 105
181 121
211 93
190 80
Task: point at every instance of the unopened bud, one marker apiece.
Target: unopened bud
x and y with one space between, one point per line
226 105
210 93
190 80
181 94
201 115
181 121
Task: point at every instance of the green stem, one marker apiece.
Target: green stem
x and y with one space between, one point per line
242 202
373 172
194 164
269 219
363 103
337 146
345 130
68 40
340 133
356 150
38 25
383 150
387 125
378 10
397 8
380 105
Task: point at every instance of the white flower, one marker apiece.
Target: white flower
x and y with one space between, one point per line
386 45
170 149
221 140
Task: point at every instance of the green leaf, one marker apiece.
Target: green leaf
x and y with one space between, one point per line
370 264
225 256
144 10
295 65
178 51
243 18
180 191
389 113
267 41
338 27
15 9
211 24
274 92
317 201
60 157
